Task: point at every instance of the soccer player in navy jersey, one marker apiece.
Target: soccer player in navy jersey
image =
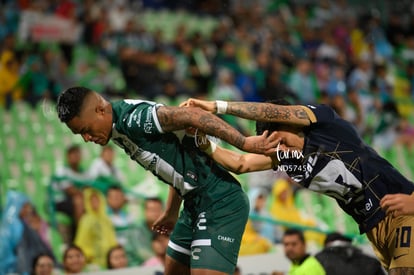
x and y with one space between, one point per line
324 153
206 238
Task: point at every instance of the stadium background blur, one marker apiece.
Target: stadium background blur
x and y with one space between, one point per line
356 56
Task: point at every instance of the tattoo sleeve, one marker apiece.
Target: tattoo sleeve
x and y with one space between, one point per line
175 118
294 114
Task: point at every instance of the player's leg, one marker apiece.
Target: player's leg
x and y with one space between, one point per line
178 250
174 267
210 262
217 235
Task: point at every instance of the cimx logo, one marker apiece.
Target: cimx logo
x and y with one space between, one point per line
287 154
49 109
201 139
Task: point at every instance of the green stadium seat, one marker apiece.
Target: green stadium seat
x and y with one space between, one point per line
391 156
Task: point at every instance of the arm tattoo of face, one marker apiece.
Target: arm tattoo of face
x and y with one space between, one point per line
301 114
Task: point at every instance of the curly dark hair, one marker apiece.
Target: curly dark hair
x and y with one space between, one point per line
70 102
271 126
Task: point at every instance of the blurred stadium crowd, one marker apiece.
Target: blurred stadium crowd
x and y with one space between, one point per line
356 57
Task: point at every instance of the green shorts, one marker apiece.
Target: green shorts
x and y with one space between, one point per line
209 238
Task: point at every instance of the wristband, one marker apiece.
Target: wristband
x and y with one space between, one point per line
210 149
221 106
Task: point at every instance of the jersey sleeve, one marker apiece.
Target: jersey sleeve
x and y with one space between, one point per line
143 120
323 113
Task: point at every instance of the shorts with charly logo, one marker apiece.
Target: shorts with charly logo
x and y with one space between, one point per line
393 241
210 238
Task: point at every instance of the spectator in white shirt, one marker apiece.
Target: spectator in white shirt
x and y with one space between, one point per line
103 167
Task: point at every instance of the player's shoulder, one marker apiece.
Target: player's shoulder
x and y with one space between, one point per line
122 109
321 112
316 107
138 101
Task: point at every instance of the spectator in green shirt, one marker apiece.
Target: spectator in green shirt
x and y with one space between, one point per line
295 250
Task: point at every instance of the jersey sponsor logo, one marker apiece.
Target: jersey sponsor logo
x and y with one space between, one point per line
134 117
148 125
225 239
291 168
201 221
153 163
194 255
192 175
368 205
399 256
201 139
138 119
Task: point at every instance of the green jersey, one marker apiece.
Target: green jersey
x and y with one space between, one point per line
172 157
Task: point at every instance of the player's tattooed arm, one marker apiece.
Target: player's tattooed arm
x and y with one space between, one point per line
172 118
175 118
293 114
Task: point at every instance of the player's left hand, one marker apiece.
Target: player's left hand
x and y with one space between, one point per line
164 224
263 144
209 106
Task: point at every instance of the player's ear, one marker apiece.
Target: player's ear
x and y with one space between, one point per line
100 107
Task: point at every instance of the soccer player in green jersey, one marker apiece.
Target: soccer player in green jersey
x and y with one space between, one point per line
206 238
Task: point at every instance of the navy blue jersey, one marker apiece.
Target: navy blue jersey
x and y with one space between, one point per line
339 164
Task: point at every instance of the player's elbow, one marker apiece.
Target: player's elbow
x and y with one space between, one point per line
241 170
242 166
